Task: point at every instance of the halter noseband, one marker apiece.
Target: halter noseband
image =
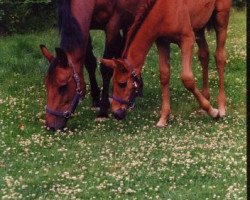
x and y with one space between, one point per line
135 91
78 96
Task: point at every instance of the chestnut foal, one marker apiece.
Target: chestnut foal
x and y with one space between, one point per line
172 22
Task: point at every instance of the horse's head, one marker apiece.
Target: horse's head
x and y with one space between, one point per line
126 85
64 89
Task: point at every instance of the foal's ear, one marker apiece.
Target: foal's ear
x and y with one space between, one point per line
46 53
121 65
62 57
109 63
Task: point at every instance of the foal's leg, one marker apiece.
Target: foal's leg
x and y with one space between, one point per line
113 48
203 54
91 65
164 51
220 56
186 45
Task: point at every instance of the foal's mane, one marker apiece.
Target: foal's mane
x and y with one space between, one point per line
69 29
141 14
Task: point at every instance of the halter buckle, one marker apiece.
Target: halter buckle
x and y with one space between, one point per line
67 114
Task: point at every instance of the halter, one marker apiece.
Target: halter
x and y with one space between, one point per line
135 91
78 96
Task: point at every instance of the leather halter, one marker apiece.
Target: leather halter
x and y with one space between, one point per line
78 97
136 83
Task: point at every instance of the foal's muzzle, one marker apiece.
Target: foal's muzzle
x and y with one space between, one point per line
120 114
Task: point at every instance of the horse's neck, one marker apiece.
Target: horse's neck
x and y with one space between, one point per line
76 59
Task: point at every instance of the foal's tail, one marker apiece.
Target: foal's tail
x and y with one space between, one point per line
211 23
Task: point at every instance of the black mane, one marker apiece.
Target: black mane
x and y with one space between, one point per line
69 29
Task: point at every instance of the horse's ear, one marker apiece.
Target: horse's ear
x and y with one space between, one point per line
109 63
62 57
46 53
121 65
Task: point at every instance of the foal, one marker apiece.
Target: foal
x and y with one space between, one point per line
172 22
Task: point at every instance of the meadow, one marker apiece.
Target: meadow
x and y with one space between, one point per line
193 157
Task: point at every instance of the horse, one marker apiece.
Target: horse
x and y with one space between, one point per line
64 80
181 22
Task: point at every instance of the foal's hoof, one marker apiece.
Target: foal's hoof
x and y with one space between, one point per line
215 113
222 113
161 124
202 112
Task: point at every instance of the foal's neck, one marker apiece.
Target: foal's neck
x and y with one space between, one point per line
142 42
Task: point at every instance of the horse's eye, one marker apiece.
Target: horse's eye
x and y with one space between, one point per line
122 85
62 89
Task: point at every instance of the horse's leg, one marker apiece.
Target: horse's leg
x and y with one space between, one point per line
164 54
203 54
91 64
186 45
113 48
220 56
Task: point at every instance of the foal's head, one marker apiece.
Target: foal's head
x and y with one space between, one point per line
63 89
126 85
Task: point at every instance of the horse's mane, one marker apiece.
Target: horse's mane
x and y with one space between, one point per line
141 14
69 29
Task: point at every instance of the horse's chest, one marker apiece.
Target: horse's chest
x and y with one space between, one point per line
102 12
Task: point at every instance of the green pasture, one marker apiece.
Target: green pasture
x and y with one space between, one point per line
193 157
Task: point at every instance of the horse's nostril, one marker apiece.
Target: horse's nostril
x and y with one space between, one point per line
120 114
54 126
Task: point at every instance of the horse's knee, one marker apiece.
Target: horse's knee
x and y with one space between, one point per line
220 57
203 55
188 81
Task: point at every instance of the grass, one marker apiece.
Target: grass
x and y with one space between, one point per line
194 157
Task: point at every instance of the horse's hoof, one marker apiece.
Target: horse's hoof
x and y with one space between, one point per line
222 113
95 103
202 112
161 124
94 108
215 113
101 119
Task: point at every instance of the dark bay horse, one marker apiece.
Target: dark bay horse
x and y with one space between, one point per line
182 22
64 81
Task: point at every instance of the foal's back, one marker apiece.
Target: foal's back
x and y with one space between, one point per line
200 11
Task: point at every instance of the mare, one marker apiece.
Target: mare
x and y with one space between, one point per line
182 22
64 80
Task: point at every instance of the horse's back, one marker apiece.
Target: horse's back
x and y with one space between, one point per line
200 11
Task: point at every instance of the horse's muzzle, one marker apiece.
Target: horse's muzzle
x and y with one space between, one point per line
120 114
56 125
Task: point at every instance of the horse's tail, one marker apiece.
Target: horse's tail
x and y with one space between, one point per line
211 23
141 14
69 29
